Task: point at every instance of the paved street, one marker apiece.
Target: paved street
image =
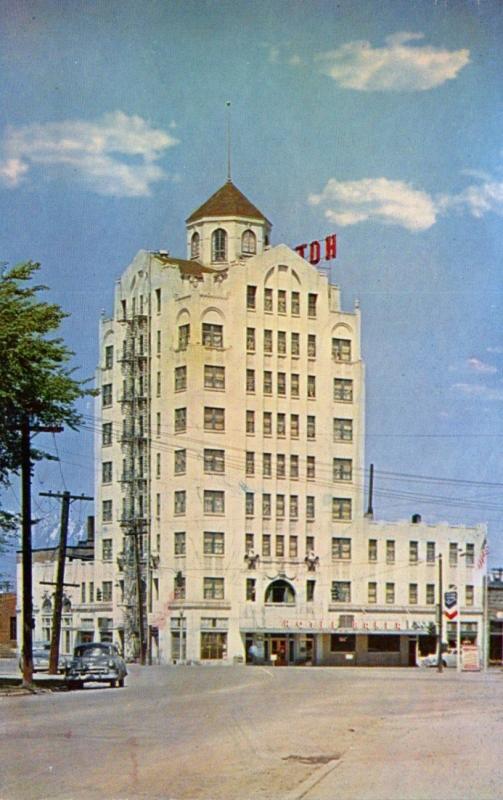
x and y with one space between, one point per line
254 732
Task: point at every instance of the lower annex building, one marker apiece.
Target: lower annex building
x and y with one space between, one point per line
230 490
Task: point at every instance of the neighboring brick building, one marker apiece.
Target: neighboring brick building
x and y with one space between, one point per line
7 623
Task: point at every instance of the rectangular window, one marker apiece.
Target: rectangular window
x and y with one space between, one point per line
267 342
341 508
470 555
430 552
213 589
214 502
311 386
430 594
106 434
281 384
341 592
372 592
267 423
157 505
311 467
183 336
390 551
250 463
214 461
213 645
281 424
341 548
413 552
295 344
213 543
214 377
341 349
267 382
106 514
309 544
311 305
251 298
250 340
249 504
107 394
372 550
106 591
294 466
383 643
180 543
250 380
268 300
294 385
343 430
157 465
251 593
180 420
469 595
180 462
106 549
282 343
91 591
82 592
413 597
293 546
311 345
343 390
281 301
294 506
280 465
180 379
310 591
390 592
214 419
266 545
159 340
249 542
213 335
179 585
310 508
250 422
280 506
311 427
295 304
266 505
453 554
158 424
106 472
294 426
158 301
266 465
342 469
280 546
109 356
180 502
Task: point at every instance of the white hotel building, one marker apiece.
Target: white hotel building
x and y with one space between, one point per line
230 486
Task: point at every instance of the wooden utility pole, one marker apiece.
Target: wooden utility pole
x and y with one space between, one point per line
440 666
65 497
139 589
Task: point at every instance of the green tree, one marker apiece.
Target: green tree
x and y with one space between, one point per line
36 381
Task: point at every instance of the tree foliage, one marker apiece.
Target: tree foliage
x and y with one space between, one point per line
35 378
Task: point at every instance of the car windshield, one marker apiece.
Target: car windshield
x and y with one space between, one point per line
93 650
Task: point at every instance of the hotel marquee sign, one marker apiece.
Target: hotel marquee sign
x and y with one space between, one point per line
312 251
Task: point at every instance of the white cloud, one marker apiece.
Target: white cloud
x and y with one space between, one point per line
115 155
395 67
478 390
496 350
379 199
480 366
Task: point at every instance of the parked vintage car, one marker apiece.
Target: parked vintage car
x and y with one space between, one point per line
41 653
449 659
97 661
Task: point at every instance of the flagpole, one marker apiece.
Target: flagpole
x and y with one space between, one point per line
458 617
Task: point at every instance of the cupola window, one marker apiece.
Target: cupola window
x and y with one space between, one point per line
194 246
219 245
248 243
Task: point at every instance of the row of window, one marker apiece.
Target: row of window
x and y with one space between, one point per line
281 304
103 594
219 245
341 348
414 552
341 593
214 544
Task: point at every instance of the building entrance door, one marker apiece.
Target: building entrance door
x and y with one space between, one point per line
278 649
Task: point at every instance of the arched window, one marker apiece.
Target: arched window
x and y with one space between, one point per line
248 243
219 245
194 246
280 592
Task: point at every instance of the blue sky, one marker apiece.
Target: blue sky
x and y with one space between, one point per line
379 121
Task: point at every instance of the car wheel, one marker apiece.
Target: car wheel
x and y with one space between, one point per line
121 683
113 684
